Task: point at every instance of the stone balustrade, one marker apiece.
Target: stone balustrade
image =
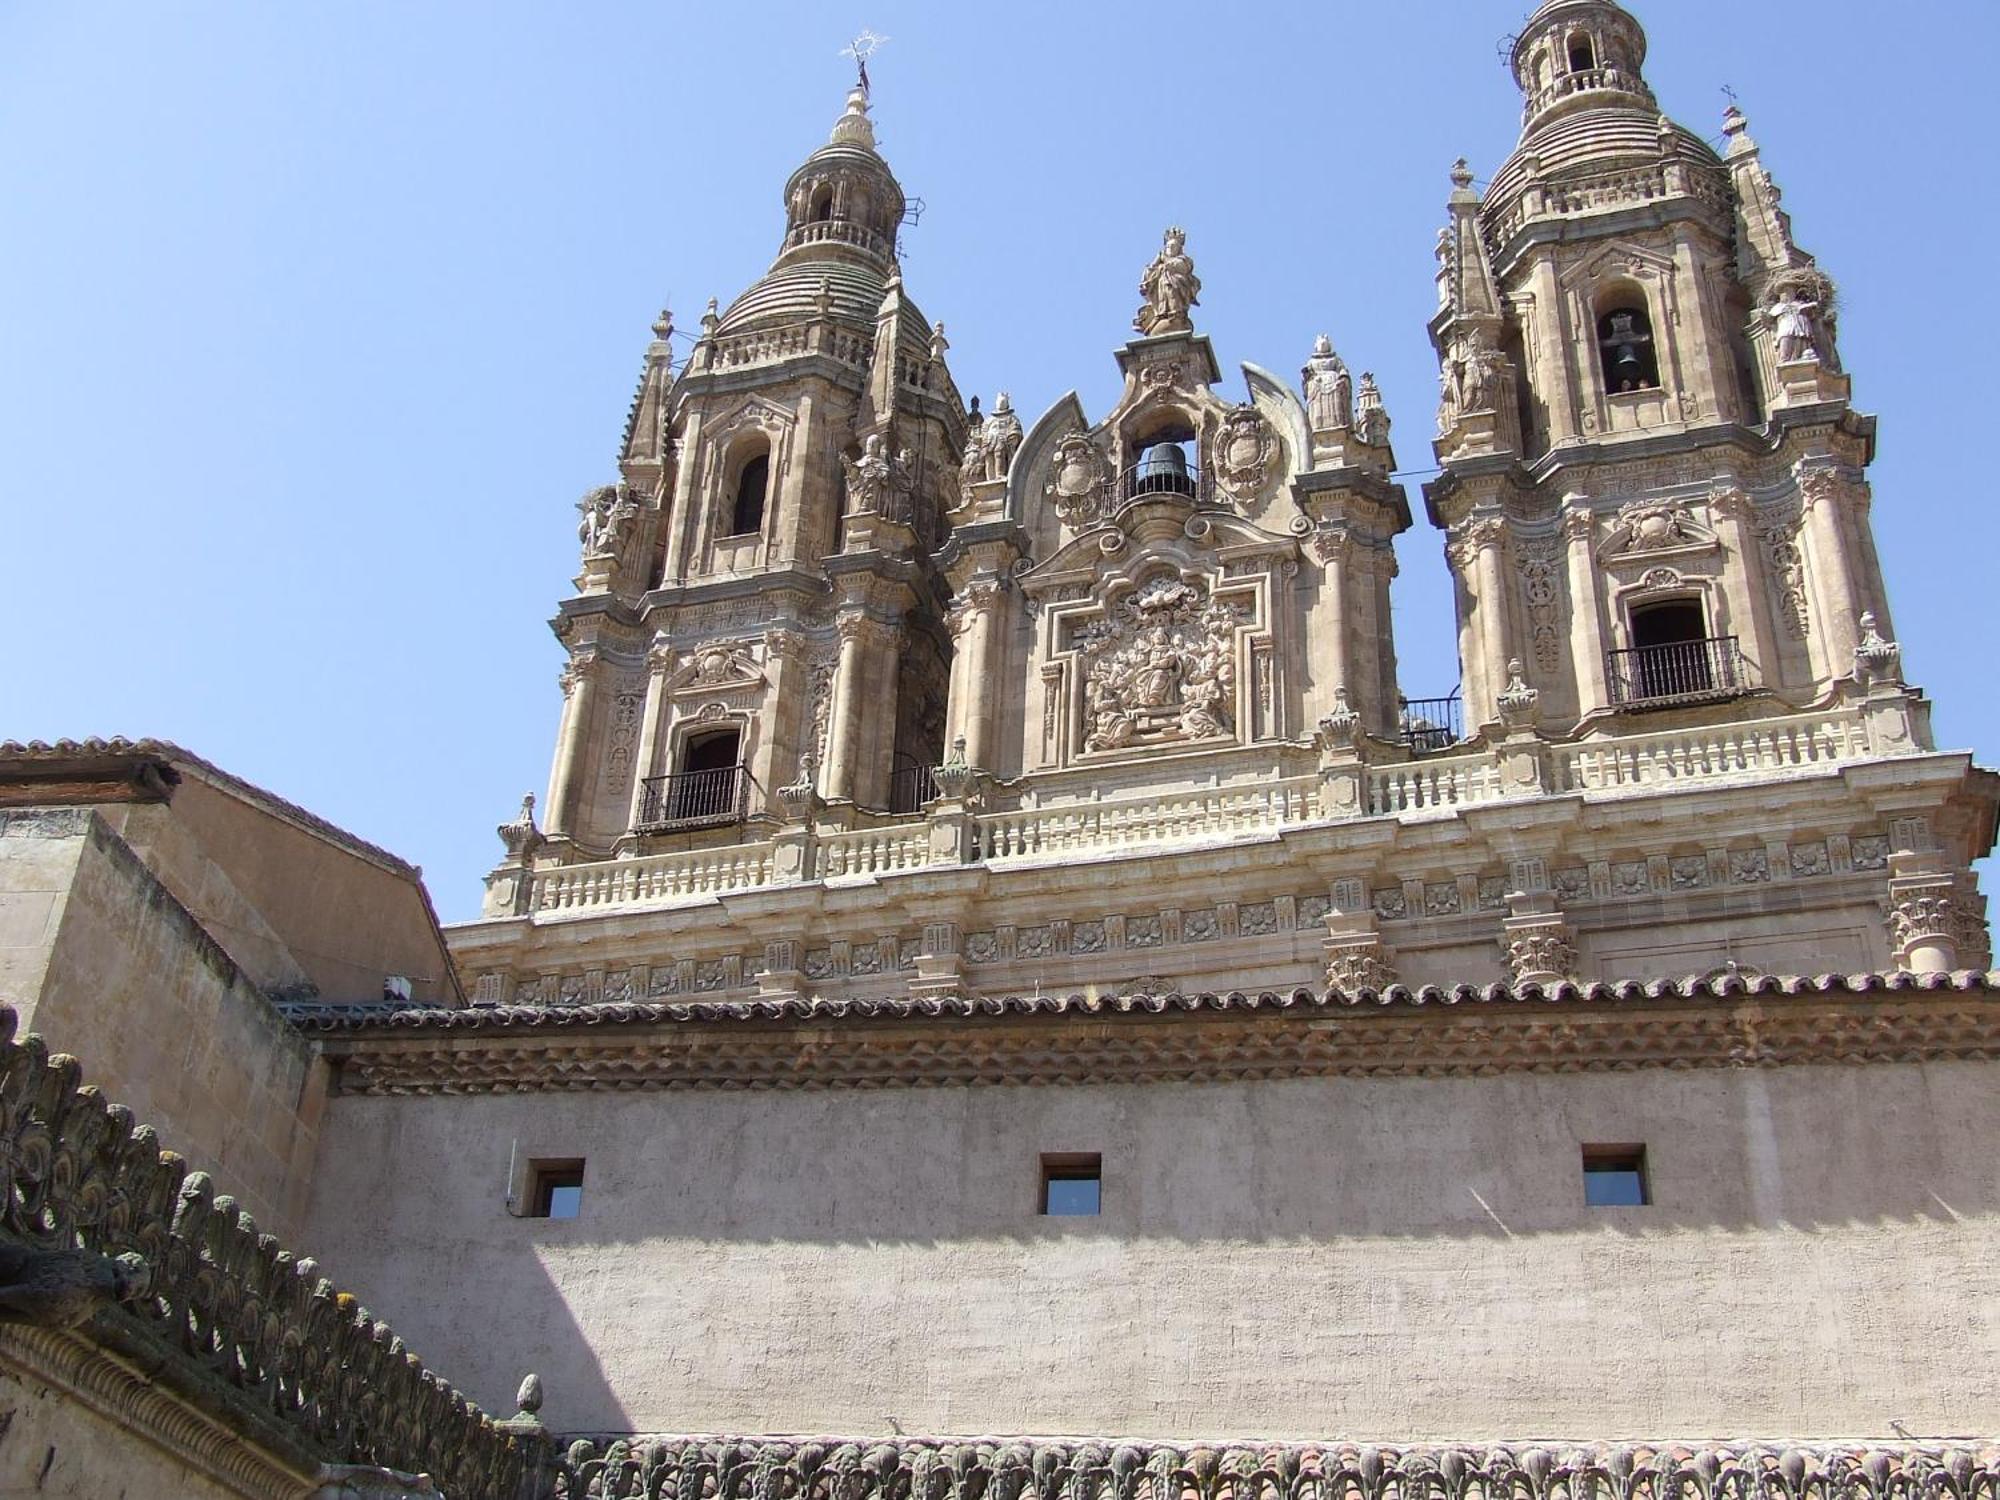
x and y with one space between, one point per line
1014 1469
294 1371
1711 752
1213 814
653 879
1424 787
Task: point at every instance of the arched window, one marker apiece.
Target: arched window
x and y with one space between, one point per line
746 515
1582 56
1164 465
1625 340
822 203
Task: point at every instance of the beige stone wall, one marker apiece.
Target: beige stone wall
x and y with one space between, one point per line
54 1446
1397 1259
38 857
163 1020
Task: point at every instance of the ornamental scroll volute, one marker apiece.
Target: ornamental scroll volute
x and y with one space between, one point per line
1160 667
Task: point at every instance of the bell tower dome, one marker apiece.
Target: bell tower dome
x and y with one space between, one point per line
1652 481
759 624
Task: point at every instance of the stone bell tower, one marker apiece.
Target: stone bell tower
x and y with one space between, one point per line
758 624
1653 484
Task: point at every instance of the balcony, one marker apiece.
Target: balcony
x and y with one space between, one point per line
1677 672
910 787
694 799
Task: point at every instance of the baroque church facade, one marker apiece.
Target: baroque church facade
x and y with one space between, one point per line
1005 998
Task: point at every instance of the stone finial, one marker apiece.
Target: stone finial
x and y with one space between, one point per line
710 317
521 836
939 343
1340 729
954 775
1517 701
802 796
529 1397
1876 659
1461 175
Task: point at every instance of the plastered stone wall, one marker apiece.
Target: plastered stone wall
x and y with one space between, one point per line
1395 1259
164 1021
54 1446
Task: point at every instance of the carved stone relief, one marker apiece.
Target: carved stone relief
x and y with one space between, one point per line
1540 563
1160 668
1243 452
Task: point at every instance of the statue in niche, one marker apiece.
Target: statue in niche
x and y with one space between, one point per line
1170 288
1161 668
1329 388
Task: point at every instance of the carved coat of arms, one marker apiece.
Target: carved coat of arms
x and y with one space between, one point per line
1077 482
1243 451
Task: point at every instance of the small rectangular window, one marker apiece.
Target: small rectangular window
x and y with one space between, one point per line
1072 1184
555 1190
1615 1177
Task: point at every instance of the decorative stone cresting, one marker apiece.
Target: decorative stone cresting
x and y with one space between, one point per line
229 1321
1014 1469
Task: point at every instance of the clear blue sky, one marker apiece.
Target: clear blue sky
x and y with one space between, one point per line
317 318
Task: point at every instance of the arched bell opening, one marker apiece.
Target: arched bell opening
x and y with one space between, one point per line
1169 455
1625 342
1582 52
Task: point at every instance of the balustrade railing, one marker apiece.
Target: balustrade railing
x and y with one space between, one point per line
1218 814
875 851
1761 746
654 878
838 232
1431 785
1677 672
694 799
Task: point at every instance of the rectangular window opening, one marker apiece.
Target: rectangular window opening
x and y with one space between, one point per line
1072 1184
555 1189
1615 1177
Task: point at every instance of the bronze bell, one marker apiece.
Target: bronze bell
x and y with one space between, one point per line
1162 469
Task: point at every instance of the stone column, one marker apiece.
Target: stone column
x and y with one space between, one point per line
1821 491
979 623
1748 590
1480 554
1355 956
1334 549
658 660
1593 687
849 689
578 690
1925 917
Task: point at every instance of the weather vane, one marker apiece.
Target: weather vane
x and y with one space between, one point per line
861 49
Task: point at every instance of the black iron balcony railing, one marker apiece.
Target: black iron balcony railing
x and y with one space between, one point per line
910 787
1431 724
1678 672
695 799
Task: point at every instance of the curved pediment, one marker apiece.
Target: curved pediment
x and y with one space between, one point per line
1150 532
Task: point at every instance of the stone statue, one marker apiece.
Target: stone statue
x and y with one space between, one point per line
606 514
1162 668
1329 388
1003 437
1470 377
370 1482
972 462
1795 321
1170 288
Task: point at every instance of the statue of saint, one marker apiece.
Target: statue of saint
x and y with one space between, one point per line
1170 288
1329 388
1792 317
1003 437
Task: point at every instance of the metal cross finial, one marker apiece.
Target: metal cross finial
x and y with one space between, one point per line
861 49
1731 93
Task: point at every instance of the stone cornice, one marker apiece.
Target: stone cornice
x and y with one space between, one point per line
1000 1468
1726 1021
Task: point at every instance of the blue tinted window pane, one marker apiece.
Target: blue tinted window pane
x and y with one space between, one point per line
565 1202
1613 1187
1073 1195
